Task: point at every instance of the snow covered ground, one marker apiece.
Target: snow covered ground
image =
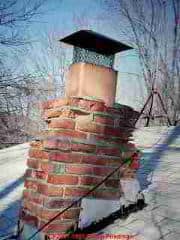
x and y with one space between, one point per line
12 165
159 177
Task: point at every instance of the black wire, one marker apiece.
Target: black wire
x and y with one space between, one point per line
75 202
7 236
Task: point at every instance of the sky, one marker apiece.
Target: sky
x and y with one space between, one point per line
62 17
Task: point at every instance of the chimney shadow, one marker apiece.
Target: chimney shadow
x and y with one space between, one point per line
151 160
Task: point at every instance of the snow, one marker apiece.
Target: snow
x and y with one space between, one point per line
13 165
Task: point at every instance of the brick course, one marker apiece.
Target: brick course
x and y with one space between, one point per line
85 142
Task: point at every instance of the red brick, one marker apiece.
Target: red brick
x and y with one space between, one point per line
75 192
71 214
61 102
65 112
85 104
100 160
89 126
102 171
29 173
47 214
46 104
41 174
33 163
108 151
74 101
135 165
65 157
87 180
63 179
104 120
59 227
113 131
35 174
30 206
131 146
55 191
93 159
60 157
98 107
29 219
27 193
68 113
79 170
55 103
83 147
112 183
46 166
62 123
105 138
107 194
36 144
31 184
127 154
50 190
42 188
57 144
57 203
68 133
34 153
89 105
33 196
52 113
114 162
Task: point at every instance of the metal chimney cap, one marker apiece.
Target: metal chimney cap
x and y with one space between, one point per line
95 42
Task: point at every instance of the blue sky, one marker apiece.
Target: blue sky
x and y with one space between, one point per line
66 16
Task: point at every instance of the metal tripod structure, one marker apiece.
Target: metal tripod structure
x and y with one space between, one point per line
150 100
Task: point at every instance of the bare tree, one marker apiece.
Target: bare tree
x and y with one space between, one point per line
50 64
48 67
153 28
15 17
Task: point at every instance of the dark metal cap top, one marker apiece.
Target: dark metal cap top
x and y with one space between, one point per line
95 42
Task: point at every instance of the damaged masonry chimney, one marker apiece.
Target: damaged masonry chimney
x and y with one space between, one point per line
87 138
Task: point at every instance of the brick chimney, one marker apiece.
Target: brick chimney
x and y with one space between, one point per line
87 138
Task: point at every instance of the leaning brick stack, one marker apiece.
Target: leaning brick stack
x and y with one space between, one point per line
85 141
